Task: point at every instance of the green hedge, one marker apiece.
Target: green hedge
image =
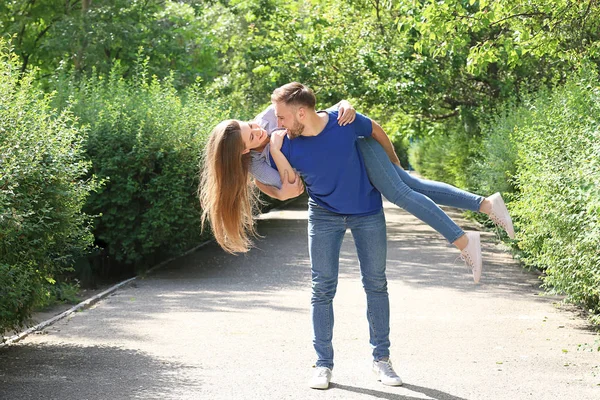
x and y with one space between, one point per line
446 154
42 192
544 154
557 206
145 141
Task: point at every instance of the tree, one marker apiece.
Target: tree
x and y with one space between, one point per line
86 35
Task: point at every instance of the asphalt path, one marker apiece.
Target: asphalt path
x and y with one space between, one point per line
216 326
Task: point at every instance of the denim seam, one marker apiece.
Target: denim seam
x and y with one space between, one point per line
375 335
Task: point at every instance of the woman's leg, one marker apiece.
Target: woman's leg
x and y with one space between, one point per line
386 179
447 195
441 193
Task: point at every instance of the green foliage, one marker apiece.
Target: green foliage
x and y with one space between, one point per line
455 78
446 155
493 171
145 140
43 187
547 150
428 155
558 182
400 128
506 42
82 35
64 292
19 289
544 151
428 59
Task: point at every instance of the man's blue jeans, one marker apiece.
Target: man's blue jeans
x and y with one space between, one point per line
417 196
325 234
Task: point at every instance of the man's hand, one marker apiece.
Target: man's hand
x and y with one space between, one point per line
346 113
290 189
277 139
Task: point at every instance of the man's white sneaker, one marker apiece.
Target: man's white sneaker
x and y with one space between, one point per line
471 254
385 373
500 215
321 378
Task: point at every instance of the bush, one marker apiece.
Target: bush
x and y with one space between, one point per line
493 171
546 151
545 154
428 156
20 287
446 155
558 180
42 228
145 141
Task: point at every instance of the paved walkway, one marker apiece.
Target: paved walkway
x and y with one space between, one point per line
216 326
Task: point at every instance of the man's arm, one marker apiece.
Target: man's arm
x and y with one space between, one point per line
385 142
288 189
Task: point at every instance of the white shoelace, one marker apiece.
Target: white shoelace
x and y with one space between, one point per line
387 369
498 221
322 373
466 257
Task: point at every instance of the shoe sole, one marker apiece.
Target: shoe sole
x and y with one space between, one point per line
477 273
391 384
387 384
319 387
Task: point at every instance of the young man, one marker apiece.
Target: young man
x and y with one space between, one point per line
340 197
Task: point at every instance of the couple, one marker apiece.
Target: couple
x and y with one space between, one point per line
346 161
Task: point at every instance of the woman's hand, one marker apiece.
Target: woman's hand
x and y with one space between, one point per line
346 113
289 189
277 139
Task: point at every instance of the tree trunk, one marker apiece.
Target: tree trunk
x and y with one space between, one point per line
85 7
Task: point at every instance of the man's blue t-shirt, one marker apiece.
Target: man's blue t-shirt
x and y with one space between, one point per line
333 169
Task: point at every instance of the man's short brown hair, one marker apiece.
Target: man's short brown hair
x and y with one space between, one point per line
294 94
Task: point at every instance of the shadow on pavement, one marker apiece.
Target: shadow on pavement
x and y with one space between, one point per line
59 372
211 303
417 255
419 392
213 281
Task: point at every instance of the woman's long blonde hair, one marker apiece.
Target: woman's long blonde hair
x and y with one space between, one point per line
227 197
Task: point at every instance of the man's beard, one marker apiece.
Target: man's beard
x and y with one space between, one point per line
295 130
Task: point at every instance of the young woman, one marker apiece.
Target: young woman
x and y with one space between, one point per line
236 150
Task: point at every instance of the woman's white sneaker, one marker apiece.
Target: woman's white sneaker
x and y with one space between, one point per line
385 373
500 215
471 254
321 378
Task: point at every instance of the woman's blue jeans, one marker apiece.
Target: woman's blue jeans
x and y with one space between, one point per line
325 234
417 196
